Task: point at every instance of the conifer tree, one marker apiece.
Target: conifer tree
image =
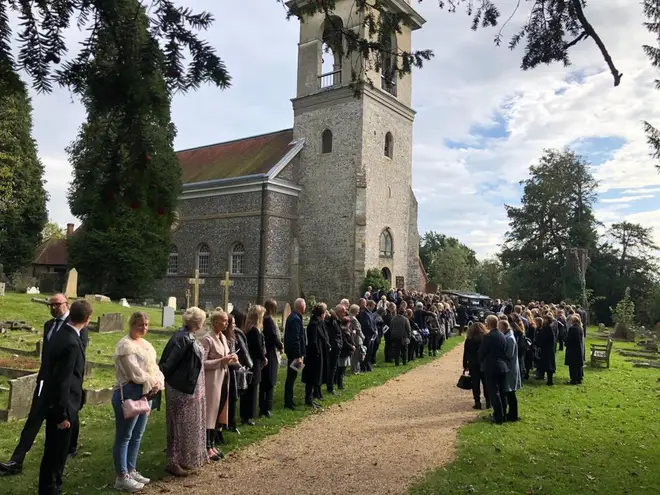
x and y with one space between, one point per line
22 194
126 174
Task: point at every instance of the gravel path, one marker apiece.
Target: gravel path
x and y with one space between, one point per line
380 442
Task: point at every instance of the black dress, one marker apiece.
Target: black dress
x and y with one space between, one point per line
257 351
574 357
312 373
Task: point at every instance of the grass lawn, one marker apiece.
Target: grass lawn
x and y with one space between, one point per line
92 470
600 438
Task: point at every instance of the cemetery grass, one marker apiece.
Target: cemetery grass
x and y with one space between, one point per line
601 437
92 471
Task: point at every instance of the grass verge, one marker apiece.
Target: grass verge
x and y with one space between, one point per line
600 438
92 470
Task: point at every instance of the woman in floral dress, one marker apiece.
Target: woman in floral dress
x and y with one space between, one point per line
181 364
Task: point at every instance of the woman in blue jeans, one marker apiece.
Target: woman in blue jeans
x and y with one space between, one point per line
138 375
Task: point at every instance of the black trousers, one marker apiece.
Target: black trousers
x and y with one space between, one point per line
388 347
339 377
33 423
374 352
249 401
265 397
495 384
576 373
291 376
412 349
399 352
331 375
366 363
478 381
512 404
56 451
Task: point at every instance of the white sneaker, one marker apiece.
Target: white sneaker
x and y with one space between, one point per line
128 484
139 478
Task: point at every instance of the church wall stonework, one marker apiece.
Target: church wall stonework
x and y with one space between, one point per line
388 185
326 222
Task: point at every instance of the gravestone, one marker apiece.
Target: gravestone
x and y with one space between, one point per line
32 290
102 298
124 303
208 307
230 307
111 322
285 315
167 317
171 302
2 288
71 284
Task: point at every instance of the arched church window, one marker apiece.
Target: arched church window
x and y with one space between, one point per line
326 141
389 64
389 145
331 52
173 261
236 259
386 246
203 255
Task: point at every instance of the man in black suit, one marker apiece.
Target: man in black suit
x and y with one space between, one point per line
62 395
492 356
294 348
59 310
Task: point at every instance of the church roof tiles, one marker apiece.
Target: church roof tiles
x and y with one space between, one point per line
248 156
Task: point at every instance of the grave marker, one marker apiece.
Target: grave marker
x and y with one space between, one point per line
171 302
196 282
111 322
167 317
71 284
187 298
2 288
285 315
226 284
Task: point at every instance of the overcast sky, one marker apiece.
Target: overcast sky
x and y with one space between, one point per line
480 124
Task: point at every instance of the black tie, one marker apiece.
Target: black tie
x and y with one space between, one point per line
53 328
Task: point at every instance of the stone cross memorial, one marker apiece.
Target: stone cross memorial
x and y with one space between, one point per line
226 284
71 285
167 317
196 282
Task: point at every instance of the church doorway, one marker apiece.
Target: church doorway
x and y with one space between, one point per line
387 274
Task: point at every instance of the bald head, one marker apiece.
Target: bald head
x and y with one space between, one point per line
58 305
340 310
300 305
363 302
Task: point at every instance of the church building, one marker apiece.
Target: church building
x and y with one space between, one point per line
306 211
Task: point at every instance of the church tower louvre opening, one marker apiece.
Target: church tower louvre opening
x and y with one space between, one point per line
355 169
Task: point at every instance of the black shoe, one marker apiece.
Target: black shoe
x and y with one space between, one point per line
290 406
248 422
73 453
312 404
10 467
233 429
331 392
487 404
477 405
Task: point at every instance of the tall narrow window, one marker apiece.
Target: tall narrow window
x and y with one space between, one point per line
173 261
237 253
326 141
203 259
389 65
386 249
389 145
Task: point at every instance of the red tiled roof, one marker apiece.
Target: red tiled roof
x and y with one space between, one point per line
52 252
253 155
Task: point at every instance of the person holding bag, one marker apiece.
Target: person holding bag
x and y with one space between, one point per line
138 379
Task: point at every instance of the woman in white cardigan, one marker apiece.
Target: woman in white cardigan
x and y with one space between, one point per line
217 357
138 375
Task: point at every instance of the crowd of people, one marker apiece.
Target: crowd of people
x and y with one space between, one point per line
501 353
209 369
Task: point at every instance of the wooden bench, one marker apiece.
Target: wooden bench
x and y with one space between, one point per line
601 353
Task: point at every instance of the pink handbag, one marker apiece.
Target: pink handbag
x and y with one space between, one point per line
132 408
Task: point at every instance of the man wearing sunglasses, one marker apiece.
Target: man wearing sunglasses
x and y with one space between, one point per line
59 310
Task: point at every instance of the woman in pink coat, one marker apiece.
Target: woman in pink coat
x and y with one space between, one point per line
217 358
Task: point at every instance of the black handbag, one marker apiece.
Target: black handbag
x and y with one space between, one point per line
465 382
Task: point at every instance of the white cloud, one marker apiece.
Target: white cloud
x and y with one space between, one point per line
469 83
626 199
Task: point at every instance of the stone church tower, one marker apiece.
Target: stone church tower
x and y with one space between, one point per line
306 211
356 209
